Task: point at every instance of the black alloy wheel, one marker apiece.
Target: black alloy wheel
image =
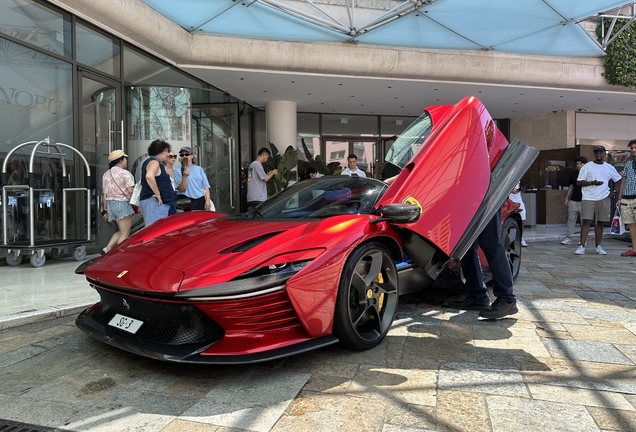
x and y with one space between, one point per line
367 297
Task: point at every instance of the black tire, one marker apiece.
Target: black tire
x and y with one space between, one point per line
511 238
57 253
366 304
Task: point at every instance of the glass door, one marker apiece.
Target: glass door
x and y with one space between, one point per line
101 129
215 144
337 150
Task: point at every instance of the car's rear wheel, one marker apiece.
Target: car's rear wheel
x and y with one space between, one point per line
511 238
367 297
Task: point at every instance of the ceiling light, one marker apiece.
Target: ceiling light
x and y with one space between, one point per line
344 120
398 122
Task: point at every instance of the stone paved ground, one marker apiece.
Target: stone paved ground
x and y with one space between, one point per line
565 362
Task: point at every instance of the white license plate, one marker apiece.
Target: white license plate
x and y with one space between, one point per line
125 323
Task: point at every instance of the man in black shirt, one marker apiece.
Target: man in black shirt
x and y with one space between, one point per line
573 200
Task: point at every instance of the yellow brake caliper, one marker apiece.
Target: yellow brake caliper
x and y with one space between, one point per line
379 279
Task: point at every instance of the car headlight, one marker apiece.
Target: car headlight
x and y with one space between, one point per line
259 281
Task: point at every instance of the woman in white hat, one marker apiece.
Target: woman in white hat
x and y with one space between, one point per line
117 186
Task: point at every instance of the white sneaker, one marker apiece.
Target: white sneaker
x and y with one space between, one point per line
566 241
523 243
580 250
599 250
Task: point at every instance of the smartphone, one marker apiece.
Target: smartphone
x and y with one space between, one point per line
184 162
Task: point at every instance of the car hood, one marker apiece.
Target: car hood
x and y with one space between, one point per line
215 251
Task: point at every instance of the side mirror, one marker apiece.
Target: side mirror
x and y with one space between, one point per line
398 213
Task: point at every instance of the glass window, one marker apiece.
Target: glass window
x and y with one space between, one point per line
345 124
141 69
390 126
97 50
409 142
36 24
36 97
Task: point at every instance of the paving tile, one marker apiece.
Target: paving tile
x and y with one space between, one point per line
16 356
405 417
590 295
628 350
580 374
606 315
552 334
544 304
479 378
582 350
433 348
461 411
614 420
534 415
84 387
253 400
185 426
32 411
601 334
312 412
131 411
576 396
553 316
409 386
522 339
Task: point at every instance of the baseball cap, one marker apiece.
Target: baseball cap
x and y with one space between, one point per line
599 149
114 155
186 149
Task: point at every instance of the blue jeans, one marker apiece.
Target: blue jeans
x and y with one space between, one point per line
152 211
493 249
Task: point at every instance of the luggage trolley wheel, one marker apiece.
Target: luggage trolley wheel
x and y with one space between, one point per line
57 253
79 253
38 258
14 258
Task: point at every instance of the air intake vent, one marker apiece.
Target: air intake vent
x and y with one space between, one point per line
250 243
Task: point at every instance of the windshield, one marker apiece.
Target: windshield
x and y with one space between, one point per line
323 197
409 141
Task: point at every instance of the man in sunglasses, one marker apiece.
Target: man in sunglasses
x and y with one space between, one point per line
193 181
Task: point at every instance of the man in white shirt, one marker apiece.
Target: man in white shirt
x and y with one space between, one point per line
594 178
352 168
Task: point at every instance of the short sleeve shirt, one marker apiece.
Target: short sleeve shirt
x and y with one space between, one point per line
357 172
576 192
115 181
196 183
593 171
256 184
629 173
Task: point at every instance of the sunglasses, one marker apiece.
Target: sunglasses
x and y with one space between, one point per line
172 156
185 154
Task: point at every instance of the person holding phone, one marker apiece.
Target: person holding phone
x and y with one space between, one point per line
192 181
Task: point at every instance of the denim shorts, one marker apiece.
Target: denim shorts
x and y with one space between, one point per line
118 210
152 211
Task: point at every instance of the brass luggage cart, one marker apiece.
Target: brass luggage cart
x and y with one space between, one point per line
20 208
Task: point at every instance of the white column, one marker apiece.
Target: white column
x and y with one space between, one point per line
281 124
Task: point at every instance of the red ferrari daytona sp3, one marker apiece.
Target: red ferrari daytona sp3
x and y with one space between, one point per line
323 261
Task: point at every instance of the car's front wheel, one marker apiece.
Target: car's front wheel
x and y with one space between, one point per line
511 238
367 297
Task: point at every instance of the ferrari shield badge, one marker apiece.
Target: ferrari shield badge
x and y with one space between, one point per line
413 201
